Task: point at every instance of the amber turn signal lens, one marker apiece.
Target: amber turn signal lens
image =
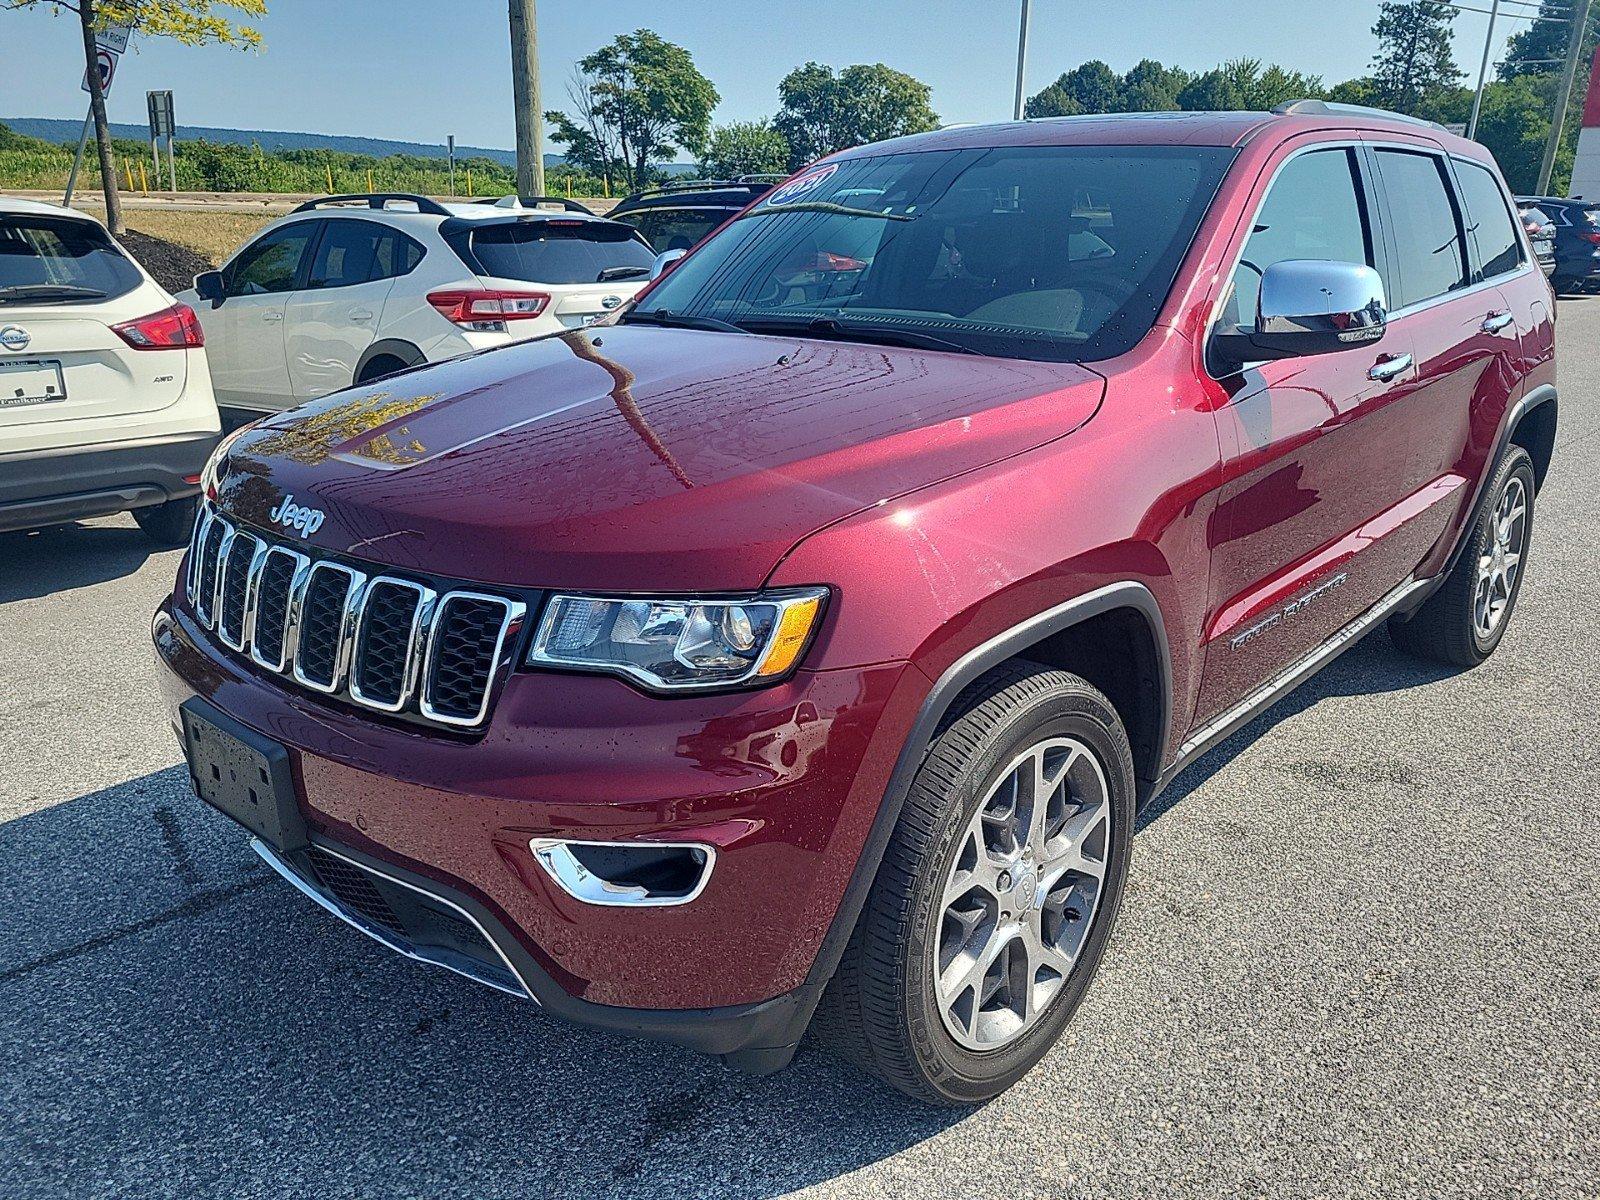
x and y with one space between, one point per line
790 639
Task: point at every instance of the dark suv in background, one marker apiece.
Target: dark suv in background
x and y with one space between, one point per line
680 216
1577 240
813 637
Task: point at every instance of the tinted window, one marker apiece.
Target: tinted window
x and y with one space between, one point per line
1047 252
270 264
63 252
559 251
348 253
396 255
1427 234
1499 247
676 228
1314 210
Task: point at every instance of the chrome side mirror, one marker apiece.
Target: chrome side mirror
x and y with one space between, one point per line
1311 306
665 262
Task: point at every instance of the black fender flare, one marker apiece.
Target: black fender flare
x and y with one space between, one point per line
389 348
1009 644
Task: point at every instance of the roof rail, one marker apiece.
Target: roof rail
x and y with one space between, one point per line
702 185
763 177
537 202
1327 108
378 200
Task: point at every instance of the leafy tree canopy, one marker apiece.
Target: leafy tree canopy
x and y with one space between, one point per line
192 22
744 148
822 112
1414 55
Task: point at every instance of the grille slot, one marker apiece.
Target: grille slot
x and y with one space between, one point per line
463 654
381 642
318 655
281 573
384 667
205 596
238 570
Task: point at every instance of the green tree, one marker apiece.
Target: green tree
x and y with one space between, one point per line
190 22
644 100
1152 87
1540 48
744 148
1414 55
1213 91
1053 101
822 112
1514 124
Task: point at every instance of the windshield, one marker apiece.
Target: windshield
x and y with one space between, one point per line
559 251
1041 252
72 259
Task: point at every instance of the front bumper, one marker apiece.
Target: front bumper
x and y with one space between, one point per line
46 487
784 783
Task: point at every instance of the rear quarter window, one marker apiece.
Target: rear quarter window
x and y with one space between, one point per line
1489 220
556 251
63 252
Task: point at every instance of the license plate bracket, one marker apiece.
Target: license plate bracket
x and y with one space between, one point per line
28 381
242 775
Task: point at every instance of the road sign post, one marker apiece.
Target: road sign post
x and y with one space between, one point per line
158 108
110 43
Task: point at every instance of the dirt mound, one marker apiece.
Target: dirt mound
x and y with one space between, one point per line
173 266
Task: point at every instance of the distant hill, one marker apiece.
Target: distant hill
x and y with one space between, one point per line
55 129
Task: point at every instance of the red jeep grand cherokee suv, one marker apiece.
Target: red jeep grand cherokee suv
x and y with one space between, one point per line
807 639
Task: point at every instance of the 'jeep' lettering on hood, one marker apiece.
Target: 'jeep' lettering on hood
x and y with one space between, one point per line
297 517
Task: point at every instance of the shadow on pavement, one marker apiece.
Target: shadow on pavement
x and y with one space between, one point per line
41 562
175 1020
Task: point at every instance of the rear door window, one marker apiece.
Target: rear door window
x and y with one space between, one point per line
272 263
1427 230
1499 247
557 251
46 252
676 228
347 254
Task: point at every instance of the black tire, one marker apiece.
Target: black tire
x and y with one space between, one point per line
380 367
168 525
1563 285
881 1011
1447 628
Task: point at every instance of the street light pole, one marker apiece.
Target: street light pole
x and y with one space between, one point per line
525 97
1483 71
1580 26
1022 61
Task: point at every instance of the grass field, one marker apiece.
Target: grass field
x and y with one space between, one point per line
214 235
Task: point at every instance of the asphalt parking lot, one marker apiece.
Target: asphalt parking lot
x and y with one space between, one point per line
1359 956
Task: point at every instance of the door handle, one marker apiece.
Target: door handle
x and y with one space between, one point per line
360 314
1495 322
272 315
1388 367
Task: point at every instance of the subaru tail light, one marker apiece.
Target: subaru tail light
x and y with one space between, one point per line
174 328
487 306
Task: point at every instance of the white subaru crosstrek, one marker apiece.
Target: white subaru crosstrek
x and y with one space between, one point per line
105 399
348 289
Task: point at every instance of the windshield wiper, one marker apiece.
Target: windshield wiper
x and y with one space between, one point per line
854 331
822 206
611 273
676 320
48 291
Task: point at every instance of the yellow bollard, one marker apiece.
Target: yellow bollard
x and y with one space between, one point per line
569 187
144 180
370 188
329 170
469 183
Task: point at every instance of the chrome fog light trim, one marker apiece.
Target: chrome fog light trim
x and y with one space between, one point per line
577 880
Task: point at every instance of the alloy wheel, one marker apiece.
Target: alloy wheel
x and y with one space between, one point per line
1022 894
1501 559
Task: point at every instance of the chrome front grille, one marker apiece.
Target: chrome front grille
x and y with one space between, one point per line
385 643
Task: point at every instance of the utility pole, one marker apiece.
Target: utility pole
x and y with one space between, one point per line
1580 26
1483 71
525 97
97 112
1022 61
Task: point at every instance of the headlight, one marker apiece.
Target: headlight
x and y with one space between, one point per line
209 475
680 644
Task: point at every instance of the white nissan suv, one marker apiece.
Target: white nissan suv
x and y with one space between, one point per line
348 289
105 400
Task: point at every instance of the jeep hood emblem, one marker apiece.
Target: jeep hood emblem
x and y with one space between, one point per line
290 515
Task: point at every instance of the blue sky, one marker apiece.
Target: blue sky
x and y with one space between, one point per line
419 69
